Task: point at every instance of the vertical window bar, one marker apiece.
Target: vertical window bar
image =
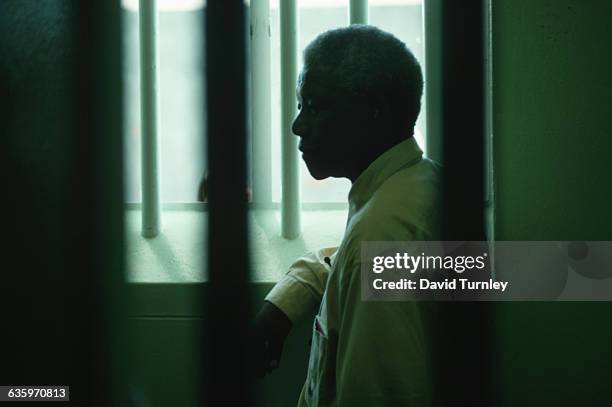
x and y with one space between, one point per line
227 296
290 198
149 65
358 12
261 100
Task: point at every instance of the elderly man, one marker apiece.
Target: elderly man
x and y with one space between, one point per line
359 96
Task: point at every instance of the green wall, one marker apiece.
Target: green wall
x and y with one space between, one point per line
164 336
552 119
552 125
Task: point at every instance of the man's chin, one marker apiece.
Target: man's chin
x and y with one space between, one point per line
319 177
317 173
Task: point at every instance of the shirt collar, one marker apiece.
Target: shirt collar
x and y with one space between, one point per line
403 154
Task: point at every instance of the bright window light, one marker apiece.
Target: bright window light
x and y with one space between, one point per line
182 104
182 107
168 5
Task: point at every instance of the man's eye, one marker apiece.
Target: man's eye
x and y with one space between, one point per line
309 107
312 108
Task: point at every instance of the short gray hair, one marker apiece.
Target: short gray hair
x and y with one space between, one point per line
367 61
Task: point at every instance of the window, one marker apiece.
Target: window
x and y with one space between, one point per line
182 93
182 107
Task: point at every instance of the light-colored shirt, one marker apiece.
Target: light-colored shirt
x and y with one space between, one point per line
367 353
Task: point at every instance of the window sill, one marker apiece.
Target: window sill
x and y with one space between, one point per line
178 254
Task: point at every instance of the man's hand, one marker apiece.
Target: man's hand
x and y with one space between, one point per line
268 335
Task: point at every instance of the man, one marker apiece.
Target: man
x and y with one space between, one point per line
359 97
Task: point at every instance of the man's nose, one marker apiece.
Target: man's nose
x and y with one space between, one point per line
298 127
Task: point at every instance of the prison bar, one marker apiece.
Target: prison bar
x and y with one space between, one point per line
290 198
358 12
463 118
92 274
227 296
149 66
463 362
261 100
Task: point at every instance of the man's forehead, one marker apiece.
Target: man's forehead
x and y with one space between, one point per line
313 81
308 79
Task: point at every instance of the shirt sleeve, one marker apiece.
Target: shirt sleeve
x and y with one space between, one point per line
301 288
382 357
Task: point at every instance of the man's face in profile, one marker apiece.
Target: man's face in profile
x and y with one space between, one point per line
327 125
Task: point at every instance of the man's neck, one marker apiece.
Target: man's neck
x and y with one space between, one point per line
370 155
